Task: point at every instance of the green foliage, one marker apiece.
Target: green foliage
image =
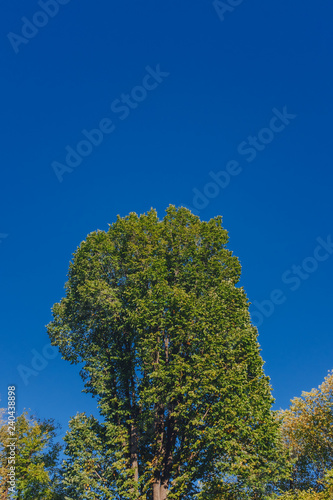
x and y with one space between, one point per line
310 494
307 435
307 432
85 472
153 311
35 460
91 470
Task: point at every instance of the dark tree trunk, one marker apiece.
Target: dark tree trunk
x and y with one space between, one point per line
134 452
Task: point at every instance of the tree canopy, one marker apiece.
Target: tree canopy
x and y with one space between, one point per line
35 461
153 311
307 432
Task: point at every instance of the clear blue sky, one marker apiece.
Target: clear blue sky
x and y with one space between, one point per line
182 94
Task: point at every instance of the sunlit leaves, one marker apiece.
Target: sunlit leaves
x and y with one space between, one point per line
36 457
153 312
307 430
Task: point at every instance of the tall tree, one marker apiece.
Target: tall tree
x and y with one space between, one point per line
153 311
35 463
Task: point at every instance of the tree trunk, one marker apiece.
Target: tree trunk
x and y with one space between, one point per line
134 452
163 491
160 491
156 490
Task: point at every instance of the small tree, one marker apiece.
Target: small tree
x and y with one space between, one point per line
87 470
153 311
35 460
307 431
